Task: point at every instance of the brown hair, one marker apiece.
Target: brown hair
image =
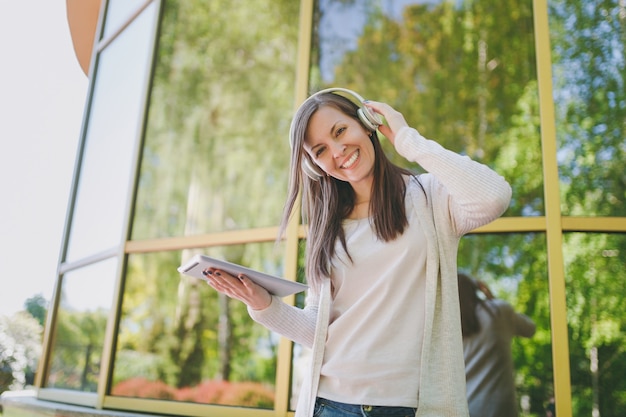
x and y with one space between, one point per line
469 301
328 201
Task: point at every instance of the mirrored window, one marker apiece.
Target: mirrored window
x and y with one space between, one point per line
181 340
595 276
110 142
587 40
216 152
78 340
514 318
118 12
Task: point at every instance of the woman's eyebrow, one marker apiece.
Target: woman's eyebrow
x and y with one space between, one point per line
333 128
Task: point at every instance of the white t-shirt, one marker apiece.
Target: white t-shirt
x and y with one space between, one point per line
375 335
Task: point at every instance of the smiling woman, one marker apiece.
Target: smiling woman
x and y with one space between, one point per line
390 256
342 148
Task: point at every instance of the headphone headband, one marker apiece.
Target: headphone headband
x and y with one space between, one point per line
339 89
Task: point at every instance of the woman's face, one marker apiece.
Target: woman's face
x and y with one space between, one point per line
340 145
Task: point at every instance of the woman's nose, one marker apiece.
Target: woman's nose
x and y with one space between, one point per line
339 150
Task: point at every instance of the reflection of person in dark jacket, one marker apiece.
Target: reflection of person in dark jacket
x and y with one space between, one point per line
488 326
551 408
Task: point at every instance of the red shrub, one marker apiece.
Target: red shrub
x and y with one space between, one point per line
144 388
209 392
248 394
243 394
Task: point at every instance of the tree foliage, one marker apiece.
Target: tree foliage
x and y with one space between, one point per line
590 93
37 307
77 349
20 348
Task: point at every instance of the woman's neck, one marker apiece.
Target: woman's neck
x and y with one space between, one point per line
362 196
362 192
361 210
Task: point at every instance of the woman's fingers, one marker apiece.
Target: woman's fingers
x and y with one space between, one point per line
241 288
223 281
395 120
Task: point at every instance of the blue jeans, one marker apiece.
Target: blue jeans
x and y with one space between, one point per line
328 408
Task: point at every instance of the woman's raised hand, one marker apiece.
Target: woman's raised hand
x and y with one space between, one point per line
395 119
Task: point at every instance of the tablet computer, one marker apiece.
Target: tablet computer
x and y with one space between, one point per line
275 285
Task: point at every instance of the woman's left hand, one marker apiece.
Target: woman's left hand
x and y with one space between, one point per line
239 287
395 119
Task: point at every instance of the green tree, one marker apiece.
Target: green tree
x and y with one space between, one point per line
37 307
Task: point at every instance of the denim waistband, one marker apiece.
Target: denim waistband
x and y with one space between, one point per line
367 410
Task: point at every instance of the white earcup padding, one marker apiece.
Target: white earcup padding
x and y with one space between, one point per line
312 171
370 119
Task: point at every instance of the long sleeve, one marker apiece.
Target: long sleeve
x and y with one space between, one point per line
294 323
521 325
477 194
455 196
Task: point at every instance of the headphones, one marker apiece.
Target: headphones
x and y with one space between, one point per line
370 119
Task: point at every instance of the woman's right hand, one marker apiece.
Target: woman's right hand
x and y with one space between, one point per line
485 290
240 288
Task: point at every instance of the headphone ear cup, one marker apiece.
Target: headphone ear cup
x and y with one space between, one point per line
312 171
370 119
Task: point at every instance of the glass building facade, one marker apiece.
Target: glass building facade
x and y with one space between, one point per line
184 149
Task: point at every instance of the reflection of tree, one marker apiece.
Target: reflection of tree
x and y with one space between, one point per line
590 94
215 158
595 299
219 117
186 349
78 346
590 71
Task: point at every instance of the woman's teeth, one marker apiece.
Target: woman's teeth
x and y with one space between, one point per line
352 160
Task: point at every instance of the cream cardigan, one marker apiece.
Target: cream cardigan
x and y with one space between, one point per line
459 195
